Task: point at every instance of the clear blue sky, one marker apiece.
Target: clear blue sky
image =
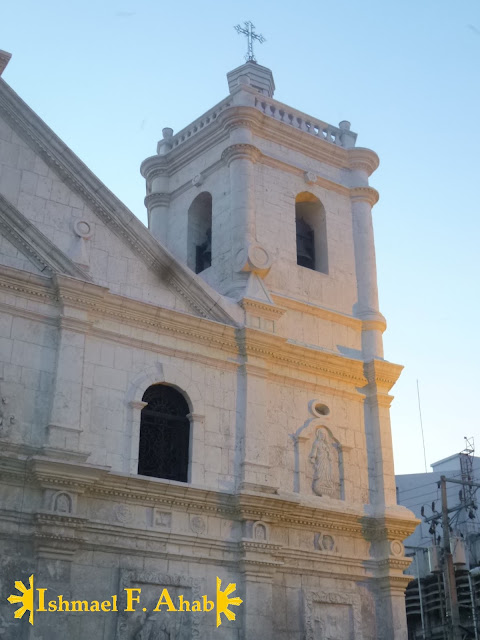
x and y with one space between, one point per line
107 76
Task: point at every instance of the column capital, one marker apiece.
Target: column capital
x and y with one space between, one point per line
364 194
157 200
154 166
363 159
237 151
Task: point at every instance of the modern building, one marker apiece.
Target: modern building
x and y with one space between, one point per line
204 398
427 600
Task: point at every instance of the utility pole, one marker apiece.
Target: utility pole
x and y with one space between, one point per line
448 567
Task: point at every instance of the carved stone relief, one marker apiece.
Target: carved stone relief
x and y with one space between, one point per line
146 624
260 532
163 626
197 524
324 542
332 616
162 518
62 502
397 548
123 514
325 460
7 418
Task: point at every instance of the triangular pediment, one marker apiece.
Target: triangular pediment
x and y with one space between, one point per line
71 223
35 252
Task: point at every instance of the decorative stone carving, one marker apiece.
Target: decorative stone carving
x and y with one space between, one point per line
7 419
197 180
162 625
123 514
197 525
310 177
62 502
83 229
324 542
255 258
162 518
324 458
79 253
260 531
397 548
333 615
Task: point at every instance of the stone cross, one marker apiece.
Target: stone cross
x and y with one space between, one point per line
248 30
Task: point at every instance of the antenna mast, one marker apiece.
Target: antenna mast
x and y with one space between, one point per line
421 426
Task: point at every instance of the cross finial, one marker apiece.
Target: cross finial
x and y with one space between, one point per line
248 30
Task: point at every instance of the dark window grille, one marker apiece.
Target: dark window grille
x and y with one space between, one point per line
164 434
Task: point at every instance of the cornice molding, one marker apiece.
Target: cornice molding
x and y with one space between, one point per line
102 482
262 126
363 159
27 284
241 151
262 309
157 200
48 472
154 166
279 351
320 312
382 374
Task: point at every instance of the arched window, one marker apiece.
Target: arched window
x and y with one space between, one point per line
199 235
311 230
164 434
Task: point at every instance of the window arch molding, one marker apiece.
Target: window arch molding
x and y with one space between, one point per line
173 376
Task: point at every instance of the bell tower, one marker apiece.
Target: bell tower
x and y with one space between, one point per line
272 207
260 199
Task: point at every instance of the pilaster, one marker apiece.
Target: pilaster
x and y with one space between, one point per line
363 198
381 377
76 298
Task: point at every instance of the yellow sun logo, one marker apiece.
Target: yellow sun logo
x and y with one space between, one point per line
223 601
26 599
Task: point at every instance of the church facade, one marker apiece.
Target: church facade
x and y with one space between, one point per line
204 398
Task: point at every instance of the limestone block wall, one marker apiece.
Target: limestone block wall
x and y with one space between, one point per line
28 350
57 210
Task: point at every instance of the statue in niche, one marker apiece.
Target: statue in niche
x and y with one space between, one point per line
260 532
163 626
63 503
324 457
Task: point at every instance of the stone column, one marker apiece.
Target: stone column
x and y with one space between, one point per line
363 162
240 158
157 201
157 207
